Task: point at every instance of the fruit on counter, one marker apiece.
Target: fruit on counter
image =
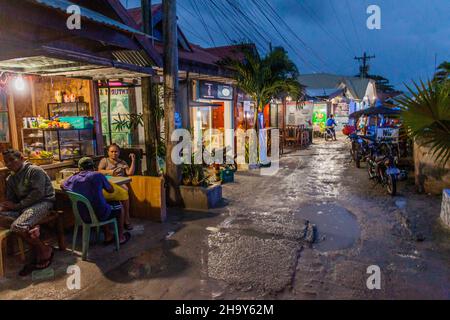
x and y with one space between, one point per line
49 124
41 155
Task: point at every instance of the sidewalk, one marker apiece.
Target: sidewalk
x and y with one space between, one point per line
52 282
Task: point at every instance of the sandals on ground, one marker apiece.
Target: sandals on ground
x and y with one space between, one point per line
30 267
127 236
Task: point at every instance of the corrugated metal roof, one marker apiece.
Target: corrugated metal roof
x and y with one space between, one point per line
62 5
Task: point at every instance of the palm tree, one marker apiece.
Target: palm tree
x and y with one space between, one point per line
426 114
265 78
443 72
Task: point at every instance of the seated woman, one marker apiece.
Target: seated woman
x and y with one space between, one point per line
114 166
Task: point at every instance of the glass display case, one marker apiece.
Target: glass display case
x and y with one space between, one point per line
69 109
63 143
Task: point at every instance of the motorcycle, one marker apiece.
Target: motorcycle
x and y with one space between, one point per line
329 133
382 166
360 148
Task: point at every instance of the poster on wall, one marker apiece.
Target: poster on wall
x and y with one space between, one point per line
341 112
319 115
298 115
120 105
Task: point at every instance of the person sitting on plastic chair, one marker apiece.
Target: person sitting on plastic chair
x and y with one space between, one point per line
91 184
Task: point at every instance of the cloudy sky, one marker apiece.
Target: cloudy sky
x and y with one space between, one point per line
326 35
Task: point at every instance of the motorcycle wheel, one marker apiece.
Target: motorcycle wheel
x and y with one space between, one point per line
358 162
391 185
370 170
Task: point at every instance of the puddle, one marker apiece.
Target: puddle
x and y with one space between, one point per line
337 228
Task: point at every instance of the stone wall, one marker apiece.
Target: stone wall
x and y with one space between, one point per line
431 177
445 209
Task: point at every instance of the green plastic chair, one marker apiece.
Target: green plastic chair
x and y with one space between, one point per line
75 198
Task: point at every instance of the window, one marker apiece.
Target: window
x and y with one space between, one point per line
118 108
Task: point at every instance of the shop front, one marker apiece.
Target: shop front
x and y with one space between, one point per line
212 114
49 81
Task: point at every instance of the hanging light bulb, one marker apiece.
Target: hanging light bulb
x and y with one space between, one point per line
19 83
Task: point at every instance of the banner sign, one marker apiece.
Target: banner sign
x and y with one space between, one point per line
214 90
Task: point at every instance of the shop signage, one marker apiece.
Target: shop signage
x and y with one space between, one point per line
214 90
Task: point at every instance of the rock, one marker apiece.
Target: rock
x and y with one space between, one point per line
310 233
445 209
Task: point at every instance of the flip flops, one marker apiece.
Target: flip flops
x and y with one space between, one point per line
127 236
29 268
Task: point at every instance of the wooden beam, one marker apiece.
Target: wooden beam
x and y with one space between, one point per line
12 122
97 114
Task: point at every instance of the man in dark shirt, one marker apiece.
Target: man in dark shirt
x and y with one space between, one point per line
29 198
91 184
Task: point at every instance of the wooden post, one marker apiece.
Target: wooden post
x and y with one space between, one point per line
148 101
97 114
12 122
170 95
149 127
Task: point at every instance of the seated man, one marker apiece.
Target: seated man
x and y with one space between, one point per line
30 197
90 184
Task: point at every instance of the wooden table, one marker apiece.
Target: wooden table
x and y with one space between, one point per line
117 180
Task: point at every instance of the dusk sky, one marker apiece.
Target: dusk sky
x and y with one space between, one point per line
327 34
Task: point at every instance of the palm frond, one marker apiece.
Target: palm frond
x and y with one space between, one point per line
426 115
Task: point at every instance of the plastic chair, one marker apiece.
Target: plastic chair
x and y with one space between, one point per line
76 198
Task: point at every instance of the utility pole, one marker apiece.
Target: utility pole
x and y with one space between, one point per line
170 34
364 67
148 103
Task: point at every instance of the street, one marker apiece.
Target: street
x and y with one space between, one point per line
308 232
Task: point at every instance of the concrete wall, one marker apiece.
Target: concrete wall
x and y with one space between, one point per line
430 176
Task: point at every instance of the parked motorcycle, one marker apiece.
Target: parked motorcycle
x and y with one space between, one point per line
360 148
382 165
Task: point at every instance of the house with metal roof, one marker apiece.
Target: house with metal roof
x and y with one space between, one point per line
342 94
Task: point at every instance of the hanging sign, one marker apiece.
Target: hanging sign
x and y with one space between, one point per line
214 90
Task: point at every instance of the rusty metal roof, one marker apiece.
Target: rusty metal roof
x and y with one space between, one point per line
63 5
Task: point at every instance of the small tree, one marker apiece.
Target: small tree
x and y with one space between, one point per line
426 114
265 78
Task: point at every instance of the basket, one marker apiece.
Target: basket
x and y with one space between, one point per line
79 122
40 162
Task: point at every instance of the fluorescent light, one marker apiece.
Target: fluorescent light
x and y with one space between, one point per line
19 83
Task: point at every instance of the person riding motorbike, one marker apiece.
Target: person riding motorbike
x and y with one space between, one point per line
331 124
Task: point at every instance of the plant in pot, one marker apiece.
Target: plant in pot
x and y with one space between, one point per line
198 176
187 174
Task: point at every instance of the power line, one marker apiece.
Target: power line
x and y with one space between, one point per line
281 35
341 26
354 26
274 12
314 17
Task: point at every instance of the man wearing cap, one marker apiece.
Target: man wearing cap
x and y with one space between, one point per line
91 184
29 198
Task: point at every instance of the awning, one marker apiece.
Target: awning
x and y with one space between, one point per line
375 110
62 5
204 104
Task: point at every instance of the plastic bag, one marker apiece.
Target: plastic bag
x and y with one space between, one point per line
119 194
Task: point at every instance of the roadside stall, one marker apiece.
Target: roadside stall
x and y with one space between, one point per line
49 81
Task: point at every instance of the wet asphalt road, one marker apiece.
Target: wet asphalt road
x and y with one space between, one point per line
256 245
